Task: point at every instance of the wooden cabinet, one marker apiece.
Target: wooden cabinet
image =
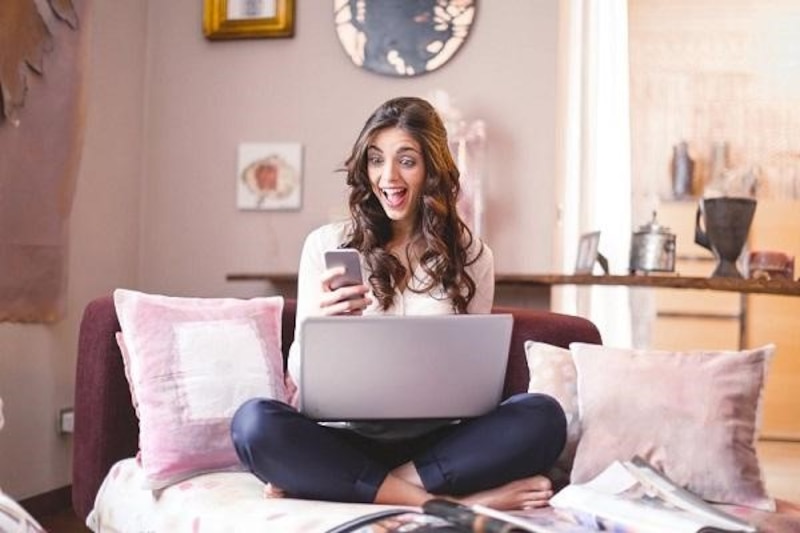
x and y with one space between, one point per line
777 319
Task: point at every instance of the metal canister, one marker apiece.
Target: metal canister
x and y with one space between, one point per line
652 248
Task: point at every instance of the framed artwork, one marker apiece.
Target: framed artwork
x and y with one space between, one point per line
587 252
243 19
269 176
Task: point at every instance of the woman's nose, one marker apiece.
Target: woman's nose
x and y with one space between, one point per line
389 170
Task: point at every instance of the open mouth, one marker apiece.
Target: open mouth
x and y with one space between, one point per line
394 196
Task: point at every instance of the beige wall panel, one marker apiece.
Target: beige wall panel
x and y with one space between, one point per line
679 217
689 333
776 226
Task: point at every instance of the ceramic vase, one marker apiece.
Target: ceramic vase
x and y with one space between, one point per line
725 225
682 171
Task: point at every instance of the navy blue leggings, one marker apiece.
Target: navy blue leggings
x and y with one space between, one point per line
522 437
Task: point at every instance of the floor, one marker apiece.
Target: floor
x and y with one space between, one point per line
64 522
779 460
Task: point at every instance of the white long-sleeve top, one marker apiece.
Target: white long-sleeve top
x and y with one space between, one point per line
407 302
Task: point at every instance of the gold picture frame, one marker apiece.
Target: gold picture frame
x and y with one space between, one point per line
248 19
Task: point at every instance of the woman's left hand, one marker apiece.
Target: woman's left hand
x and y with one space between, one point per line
346 300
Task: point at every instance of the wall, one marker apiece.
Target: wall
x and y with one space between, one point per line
206 97
709 73
155 205
37 362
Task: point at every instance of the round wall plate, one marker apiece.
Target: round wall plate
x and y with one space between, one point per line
402 38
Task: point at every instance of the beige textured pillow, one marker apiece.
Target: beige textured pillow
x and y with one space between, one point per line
552 372
693 415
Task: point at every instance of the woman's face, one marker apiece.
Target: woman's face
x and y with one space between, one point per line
396 171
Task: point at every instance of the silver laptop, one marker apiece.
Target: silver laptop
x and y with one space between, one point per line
403 367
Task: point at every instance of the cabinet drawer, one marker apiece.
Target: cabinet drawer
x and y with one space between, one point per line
698 302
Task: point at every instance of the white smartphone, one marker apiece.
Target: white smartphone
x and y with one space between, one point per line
350 259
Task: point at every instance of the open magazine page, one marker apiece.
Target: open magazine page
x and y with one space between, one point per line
439 516
390 521
626 497
682 498
481 519
540 520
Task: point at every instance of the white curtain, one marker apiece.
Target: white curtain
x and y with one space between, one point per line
594 178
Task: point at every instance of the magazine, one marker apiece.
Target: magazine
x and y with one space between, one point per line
628 496
634 496
438 516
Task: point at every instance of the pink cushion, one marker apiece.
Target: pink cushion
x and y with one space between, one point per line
191 362
552 372
694 415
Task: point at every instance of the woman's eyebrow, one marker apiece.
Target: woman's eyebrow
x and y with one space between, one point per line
404 149
401 150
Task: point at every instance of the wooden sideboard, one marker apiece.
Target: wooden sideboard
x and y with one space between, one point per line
760 286
753 324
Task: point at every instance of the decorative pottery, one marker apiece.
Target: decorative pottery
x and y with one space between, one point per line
727 223
768 264
402 38
682 171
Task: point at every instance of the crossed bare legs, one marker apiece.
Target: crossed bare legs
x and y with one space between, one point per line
403 486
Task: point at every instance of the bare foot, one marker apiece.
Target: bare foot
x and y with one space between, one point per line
271 491
524 493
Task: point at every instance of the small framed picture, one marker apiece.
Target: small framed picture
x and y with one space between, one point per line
587 252
269 176
242 19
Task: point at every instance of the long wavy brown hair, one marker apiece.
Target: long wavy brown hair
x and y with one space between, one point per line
439 233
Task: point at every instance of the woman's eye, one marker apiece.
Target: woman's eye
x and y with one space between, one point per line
375 160
408 162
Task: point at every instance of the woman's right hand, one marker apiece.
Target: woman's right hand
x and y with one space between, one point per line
346 300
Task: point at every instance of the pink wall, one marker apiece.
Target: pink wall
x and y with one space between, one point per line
155 204
203 98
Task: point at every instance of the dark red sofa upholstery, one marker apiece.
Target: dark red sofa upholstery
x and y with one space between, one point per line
106 429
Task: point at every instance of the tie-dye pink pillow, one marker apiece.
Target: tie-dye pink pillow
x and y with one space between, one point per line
693 415
191 362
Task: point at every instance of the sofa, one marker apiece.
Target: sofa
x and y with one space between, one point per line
106 437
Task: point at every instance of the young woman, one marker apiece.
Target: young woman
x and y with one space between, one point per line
419 258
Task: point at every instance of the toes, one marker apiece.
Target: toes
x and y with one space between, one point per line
271 491
535 483
535 504
541 483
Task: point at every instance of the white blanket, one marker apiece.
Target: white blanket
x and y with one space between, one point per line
228 501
